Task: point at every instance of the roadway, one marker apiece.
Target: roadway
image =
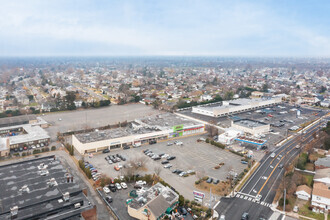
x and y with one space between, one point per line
257 194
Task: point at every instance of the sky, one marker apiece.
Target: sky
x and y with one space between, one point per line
165 28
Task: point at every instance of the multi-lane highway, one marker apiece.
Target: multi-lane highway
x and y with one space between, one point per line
257 194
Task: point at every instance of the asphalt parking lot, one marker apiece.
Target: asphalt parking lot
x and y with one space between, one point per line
198 156
307 114
76 120
118 204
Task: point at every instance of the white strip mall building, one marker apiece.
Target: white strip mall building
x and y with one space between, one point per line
141 131
235 106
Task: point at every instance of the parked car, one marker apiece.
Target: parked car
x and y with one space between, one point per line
112 187
169 143
182 174
165 162
118 186
123 185
171 158
126 147
183 211
245 216
157 158
144 151
222 217
116 168
165 155
168 165
216 181
140 182
109 199
106 151
106 190
209 180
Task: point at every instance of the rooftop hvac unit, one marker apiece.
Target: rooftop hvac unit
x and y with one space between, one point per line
14 211
52 182
77 205
66 196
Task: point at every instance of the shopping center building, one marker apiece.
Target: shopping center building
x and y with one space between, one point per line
235 106
138 132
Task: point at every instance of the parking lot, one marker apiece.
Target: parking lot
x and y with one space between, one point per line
118 204
192 155
92 118
281 118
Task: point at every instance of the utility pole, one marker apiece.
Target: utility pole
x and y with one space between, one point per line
210 197
284 201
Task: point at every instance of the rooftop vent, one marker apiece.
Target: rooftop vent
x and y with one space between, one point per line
42 166
43 172
14 211
52 182
25 188
77 205
66 196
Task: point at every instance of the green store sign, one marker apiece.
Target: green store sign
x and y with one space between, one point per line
177 128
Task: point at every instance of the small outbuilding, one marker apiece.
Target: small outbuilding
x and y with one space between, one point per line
303 192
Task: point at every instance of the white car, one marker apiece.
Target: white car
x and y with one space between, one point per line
182 173
154 156
106 190
190 171
140 182
168 165
120 166
118 186
123 185
222 217
272 155
110 161
165 156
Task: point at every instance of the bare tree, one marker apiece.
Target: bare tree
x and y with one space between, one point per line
158 169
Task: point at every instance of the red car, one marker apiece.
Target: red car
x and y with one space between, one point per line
269 115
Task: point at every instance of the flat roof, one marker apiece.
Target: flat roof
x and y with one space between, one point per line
148 196
144 125
249 123
165 121
99 135
40 199
22 119
33 133
232 103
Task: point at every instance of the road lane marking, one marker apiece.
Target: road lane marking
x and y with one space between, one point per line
274 170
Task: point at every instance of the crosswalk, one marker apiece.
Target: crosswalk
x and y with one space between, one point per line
252 199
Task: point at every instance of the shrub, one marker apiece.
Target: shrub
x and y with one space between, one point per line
36 151
205 178
53 148
207 140
181 200
197 182
281 202
245 170
46 149
217 167
23 154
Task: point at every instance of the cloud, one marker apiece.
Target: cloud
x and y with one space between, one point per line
158 28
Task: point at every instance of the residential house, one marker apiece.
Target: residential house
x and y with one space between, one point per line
321 189
322 163
303 192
